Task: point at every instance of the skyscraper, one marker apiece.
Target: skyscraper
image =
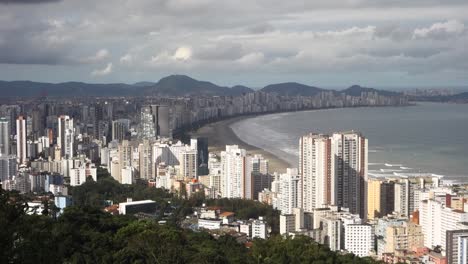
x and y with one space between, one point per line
119 130
350 153
8 167
4 136
162 115
201 145
21 139
147 123
66 136
233 172
457 246
188 164
316 170
333 171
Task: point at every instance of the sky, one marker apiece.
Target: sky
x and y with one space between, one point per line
334 43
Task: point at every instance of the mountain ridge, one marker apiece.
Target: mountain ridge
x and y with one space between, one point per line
172 85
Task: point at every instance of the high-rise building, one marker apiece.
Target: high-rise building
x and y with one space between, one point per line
457 246
333 171
66 136
163 120
188 164
201 145
21 153
359 239
407 236
97 115
79 175
380 198
125 154
119 130
288 191
147 166
4 136
233 169
436 219
404 197
8 167
147 123
316 170
350 153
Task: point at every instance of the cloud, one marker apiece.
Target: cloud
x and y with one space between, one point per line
102 72
252 58
12 2
442 30
220 51
126 59
210 38
183 54
100 55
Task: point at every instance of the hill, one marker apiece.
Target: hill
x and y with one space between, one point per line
181 85
292 89
357 90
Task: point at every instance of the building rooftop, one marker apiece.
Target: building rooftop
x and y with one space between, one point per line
137 202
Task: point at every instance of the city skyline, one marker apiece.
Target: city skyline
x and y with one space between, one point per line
333 44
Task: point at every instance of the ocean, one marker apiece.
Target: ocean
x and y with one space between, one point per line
426 138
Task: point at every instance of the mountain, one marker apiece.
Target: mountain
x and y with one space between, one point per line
241 89
292 89
173 85
356 90
144 84
181 85
31 89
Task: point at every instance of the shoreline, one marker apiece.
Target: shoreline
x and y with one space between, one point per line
220 134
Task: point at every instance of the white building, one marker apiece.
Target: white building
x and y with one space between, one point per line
211 224
21 132
79 175
333 171
436 220
66 136
188 164
127 175
4 136
359 239
233 172
287 194
259 228
133 207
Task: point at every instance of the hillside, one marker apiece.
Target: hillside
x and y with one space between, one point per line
292 89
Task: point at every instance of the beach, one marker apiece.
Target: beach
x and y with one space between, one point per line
220 134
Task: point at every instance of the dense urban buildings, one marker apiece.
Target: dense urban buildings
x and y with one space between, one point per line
329 196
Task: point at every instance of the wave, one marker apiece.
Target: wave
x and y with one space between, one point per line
393 165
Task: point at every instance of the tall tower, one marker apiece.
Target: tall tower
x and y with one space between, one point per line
333 171
147 123
350 152
66 136
4 136
21 139
233 169
316 170
118 130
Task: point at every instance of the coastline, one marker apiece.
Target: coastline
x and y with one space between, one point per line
220 134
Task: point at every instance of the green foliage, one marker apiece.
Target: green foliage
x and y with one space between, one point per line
86 234
95 194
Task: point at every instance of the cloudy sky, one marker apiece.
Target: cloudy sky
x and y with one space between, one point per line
381 43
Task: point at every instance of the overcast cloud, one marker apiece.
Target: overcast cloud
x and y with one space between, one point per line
323 43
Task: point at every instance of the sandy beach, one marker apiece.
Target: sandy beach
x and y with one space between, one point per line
220 134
